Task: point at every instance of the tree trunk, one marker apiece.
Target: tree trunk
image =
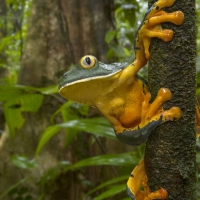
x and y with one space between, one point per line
170 151
59 34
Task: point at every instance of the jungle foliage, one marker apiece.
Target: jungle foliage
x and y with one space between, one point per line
17 99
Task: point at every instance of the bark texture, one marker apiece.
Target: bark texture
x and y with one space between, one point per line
170 150
59 34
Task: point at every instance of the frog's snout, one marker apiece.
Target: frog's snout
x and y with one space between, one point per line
61 80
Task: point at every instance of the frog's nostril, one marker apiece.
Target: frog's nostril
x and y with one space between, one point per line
65 74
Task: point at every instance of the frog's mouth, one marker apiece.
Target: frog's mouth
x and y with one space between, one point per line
88 89
86 85
65 83
100 71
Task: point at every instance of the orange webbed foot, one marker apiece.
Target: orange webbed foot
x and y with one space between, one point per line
154 111
158 194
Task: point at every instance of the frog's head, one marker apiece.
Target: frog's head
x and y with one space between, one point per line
88 79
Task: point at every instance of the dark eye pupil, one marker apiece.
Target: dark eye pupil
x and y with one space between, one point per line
88 61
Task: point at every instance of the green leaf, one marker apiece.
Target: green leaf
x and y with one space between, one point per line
68 113
13 118
13 187
119 51
111 192
41 197
125 159
49 90
98 126
14 107
107 183
198 157
110 54
23 162
127 52
110 35
52 173
71 111
46 136
9 92
31 102
129 13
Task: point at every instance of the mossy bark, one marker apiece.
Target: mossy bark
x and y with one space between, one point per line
170 151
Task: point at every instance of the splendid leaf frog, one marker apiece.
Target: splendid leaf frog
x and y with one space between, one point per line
122 96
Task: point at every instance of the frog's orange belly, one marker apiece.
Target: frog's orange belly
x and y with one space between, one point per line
132 110
131 116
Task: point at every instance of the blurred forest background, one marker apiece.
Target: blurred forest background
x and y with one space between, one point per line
51 148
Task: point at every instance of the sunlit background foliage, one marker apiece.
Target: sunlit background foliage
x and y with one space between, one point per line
13 28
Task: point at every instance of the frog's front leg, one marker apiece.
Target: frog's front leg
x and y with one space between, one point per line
150 27
137 179
152 115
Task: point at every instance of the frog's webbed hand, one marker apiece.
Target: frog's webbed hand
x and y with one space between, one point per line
150 27
137 179
151 116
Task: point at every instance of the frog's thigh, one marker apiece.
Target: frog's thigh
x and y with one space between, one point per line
135 181
116 124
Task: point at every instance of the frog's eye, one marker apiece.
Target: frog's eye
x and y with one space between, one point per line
87 62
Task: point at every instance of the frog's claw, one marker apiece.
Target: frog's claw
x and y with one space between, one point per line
150 27
151 116
137 179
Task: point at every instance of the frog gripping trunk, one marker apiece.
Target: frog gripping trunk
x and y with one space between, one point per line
122 96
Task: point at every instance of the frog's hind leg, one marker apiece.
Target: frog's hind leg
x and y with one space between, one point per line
139 179
135 182
151 116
